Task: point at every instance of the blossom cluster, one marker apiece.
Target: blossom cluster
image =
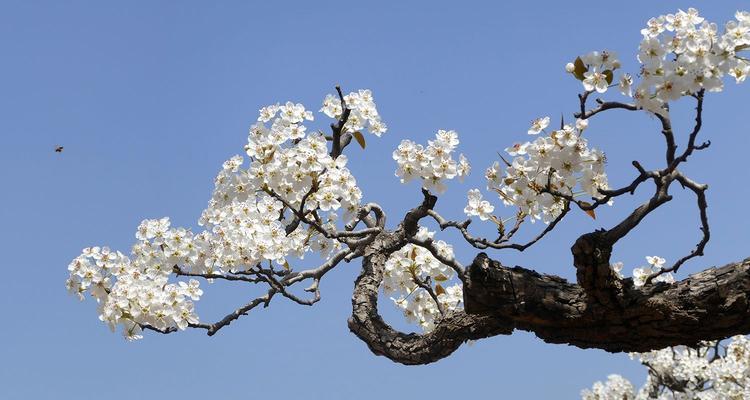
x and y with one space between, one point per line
411 265
363 112
595 70
559 161
655 264
615 388
703 373
252 218
640 274
680 54
134 291
477 206
433 164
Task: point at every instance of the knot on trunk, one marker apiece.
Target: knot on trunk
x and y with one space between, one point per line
591 258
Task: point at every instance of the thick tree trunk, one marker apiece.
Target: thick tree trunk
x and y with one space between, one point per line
600 311
710 305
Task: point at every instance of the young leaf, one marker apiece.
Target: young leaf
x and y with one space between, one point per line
440 278
591 213
360 139
609 76
439 289
503 195
413 254
500 225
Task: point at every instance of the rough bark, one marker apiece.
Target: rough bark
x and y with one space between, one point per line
600 311
712 304
409 348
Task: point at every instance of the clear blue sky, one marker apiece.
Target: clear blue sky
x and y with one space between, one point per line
149 98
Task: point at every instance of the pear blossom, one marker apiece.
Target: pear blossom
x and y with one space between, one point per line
595 81
562 159
432 164
709 370
538 125
244 223
626 85
478 207
412 263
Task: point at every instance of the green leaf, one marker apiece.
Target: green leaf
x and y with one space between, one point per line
360 138
609 75
580 68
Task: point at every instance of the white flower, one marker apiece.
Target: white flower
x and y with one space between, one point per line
626 85
740 71
595 81
617 269
478 207
538 125
411 263
582 124
245 225
433 164
656 261
616 388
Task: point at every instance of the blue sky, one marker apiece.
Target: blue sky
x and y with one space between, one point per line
149 98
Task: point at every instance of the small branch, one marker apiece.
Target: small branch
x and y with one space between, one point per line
363 216
362 232
172 329
482 243
295 222
700 193
427 286
213 328
338 127
428 244
609 105
660 197
266 299
281 288
179 272
666 130
582 100
548 229
299 214
410 224
607 194
318 272
691 146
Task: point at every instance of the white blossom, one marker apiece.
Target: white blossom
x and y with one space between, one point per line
244 221
412 264
433 164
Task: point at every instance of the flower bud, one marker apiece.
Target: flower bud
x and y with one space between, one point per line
582 124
